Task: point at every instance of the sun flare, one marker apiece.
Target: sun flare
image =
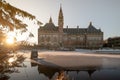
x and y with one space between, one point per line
10 40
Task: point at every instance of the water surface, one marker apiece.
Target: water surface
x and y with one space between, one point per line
108 69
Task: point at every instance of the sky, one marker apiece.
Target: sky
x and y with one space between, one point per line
104 14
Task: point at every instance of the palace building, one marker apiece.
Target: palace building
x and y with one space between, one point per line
51 36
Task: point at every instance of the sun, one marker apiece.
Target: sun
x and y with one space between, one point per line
10 40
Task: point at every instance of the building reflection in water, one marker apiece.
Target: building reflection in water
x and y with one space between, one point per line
54 73
34 71
48 71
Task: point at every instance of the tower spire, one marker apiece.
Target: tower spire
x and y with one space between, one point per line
60 12
60 19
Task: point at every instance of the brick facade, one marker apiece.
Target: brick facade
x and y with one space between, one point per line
54 37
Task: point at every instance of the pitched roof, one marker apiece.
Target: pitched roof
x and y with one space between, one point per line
75 30
49 27
90 29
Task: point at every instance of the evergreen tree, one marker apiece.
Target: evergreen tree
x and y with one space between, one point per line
8 18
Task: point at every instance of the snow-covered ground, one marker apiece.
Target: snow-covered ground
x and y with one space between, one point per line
85 50
104 50
108 50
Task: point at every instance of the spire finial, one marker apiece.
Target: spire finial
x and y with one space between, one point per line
60 5
50 21
90 23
